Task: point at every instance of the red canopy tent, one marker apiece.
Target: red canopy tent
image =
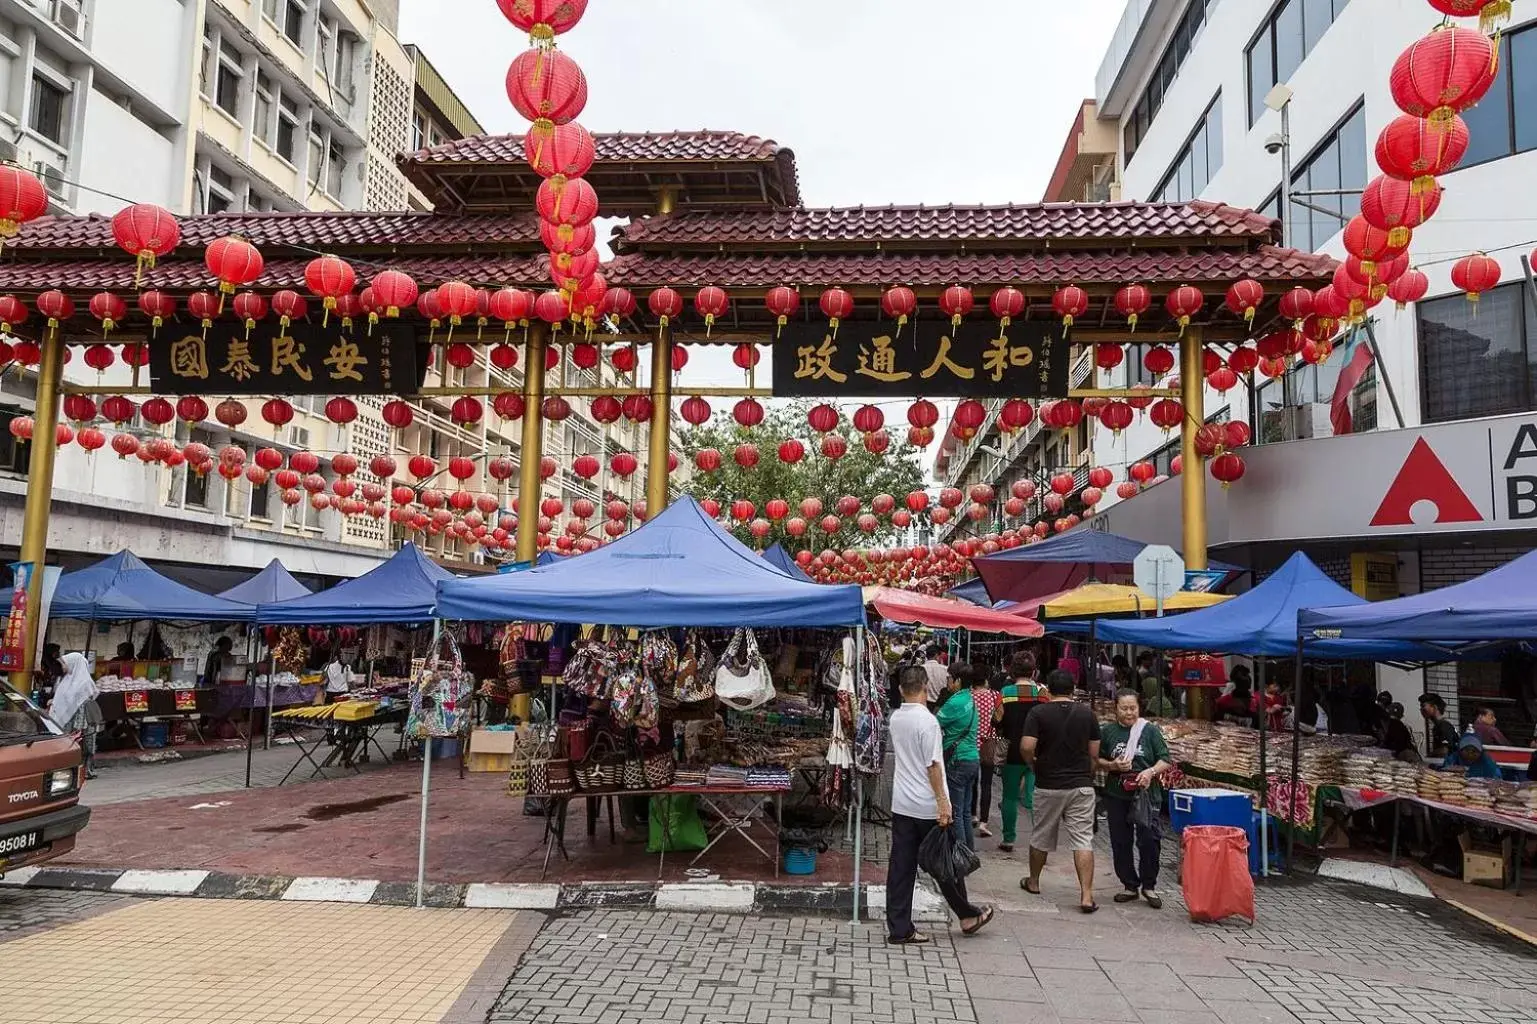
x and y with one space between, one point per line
944 613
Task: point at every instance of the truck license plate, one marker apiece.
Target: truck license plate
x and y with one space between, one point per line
22 842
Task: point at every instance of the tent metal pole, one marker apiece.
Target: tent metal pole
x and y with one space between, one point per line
250 694
272 662
421 841
1291 835
1264 777
859 831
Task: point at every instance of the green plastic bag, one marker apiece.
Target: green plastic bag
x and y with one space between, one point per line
684 831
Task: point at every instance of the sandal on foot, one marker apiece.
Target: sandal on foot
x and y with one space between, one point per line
1087 908
915 939
981 922
1153 899
1129 896
1024 883
1006 847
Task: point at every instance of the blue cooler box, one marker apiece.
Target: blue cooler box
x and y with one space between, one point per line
1210 807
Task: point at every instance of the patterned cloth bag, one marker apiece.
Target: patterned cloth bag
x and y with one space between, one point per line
440 693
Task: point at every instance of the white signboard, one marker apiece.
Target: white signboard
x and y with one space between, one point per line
1159 571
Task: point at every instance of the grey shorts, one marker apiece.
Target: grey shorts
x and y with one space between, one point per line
1059 808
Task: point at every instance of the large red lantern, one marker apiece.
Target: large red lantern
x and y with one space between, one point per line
783 302
711 302
694 410
192 409
1108 357
834 446
13 312
923 413
250 307
623 464
1475 275
836 305
56 306
394 290
868 419
1116 415
1132 301
457 300
1409 149
1244 297
568 207
397 414
99 357
466 410
1391 204
1227 468
565 151
665 304
1069 302
1167 414
145 231
791 451
707 460
289 305
1183 304
1410 286
80 408
637 408
277 411
1016 414
546 87
1244 359
555 409
745 455
1447 71
899 303
822 418
543 20
968 418
748 412
1007 303
329 277
22 198
956 302
1297 305
233 261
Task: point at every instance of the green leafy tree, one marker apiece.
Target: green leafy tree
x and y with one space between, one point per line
859 473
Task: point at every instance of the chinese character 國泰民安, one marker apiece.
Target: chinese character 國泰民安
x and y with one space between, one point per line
288 352
942 359
189 357
881 364
1000 355
344 361
816 362
239 365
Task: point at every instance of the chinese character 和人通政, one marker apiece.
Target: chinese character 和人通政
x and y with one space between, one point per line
942 360
816 362
1000 355
189 357
344 361
239 365
881 364
288 352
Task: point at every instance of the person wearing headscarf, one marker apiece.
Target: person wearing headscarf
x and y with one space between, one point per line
1154 703
74 707
1470 754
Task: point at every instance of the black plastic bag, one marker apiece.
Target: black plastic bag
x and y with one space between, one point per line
945 857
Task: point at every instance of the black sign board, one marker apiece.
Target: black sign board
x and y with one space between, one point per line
975 360
303 359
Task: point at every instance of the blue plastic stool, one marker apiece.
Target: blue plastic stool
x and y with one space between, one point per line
1273 835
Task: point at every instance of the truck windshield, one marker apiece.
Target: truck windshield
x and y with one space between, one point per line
20 719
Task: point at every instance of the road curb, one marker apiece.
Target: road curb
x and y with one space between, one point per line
702 897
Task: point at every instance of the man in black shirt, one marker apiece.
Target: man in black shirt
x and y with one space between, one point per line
1061 743
1443 734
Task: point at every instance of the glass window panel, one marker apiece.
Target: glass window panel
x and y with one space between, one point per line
1199 168
1261 75
1353 158
1288 39
1521 64
1317 15
1339 5
1473 365
1214 138
1489 122
1183 182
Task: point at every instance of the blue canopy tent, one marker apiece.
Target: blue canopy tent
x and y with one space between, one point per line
1060 563
123 588
973 590
1500 605
272 584
776 555
401 590
679 569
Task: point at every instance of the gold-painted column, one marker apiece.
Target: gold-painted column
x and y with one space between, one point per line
529 482
1192 469
34 529
661 423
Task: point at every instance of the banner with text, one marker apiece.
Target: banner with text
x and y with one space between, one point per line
974 360
303 359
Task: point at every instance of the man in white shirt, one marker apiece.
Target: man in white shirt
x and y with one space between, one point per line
920 803
338 679
938 677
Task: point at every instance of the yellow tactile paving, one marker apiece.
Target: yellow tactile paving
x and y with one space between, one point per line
185 961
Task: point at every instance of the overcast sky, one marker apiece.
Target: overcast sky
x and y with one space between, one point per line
883 101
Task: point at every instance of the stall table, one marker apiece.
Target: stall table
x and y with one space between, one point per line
350 731
123 710
739 808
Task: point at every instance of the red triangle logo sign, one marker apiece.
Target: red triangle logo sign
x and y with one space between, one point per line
1424 477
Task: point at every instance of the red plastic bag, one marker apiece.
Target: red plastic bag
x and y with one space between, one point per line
1215 873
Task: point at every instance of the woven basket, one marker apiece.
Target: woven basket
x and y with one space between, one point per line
517 779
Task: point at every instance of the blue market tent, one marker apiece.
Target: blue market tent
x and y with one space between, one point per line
680 569
1500 605
272 584
401 590
973 590
1259 623
776 555
1061 563
123 587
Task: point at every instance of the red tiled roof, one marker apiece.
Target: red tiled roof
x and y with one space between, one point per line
1103 271
613 147
309 231
1114 223
81 277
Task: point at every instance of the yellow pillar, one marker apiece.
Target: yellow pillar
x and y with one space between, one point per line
529 482
34 529
661 422
1192 469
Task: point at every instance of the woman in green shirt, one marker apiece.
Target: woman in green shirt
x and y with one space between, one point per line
1134 755
959 722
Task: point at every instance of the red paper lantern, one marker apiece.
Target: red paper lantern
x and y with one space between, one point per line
466 410
1244 359
289 305
1492 14
920 437
55 305
1411 150
1447 71
834 447
694 410
1132 301
1227 468
1296 304
22 198
1007 303
99 357
822 418
125 445
606 409
1222 379
745 356
145 231
969 417
742 510
1235 433
1410 286
120 410
394 290
899 303
795 526
1016 414
304 462
1167 413
233 261
192 409
836 305
923 413
230 412
1244 297
13 311
665 304
783 302
1108 357
555 409
250 307
747 412
382 466
868 419
568 206
1475 274
80 408
397 414
1391 204
623 464
956 302
637 408
1069 303
546 87
1126 490
1183 304
564 151
341 410
329 278
421 466
711 302
1158 360
745 455
1116 415
791 451
501 468
1142 472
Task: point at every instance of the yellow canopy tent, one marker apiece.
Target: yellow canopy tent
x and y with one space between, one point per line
1092 599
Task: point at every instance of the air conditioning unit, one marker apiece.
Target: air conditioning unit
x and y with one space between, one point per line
51 175
68 16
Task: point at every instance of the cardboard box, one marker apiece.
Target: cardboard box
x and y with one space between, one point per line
1491 866
491 750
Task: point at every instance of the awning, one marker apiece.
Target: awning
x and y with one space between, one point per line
1093 599
943 613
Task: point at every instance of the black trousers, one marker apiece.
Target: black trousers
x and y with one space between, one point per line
907 834
984 799
1134 849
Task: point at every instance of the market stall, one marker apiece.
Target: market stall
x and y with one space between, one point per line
682 572
1060 563
144 700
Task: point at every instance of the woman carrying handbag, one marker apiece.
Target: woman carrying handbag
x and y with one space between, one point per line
1137 756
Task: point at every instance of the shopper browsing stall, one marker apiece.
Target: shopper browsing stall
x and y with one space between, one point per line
1061 743
1470 754
988 699
960 722
1138 757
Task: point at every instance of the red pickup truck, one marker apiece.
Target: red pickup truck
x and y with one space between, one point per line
41 771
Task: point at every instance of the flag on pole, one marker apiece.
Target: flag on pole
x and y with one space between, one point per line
1358 357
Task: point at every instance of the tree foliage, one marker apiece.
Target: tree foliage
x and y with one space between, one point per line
859 473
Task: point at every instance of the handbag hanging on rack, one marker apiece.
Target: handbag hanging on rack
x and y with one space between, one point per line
440 693
742 679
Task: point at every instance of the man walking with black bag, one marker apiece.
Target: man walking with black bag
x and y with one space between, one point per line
920 803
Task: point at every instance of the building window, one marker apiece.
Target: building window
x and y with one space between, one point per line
346 51
317 158
15 454
261 502
1285 39
262 119
325 42
336 163
270 10
48 114
293 20
221 191
1338 164
226 89
1140 117
288 127
1479 365
1505 120
1198 162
